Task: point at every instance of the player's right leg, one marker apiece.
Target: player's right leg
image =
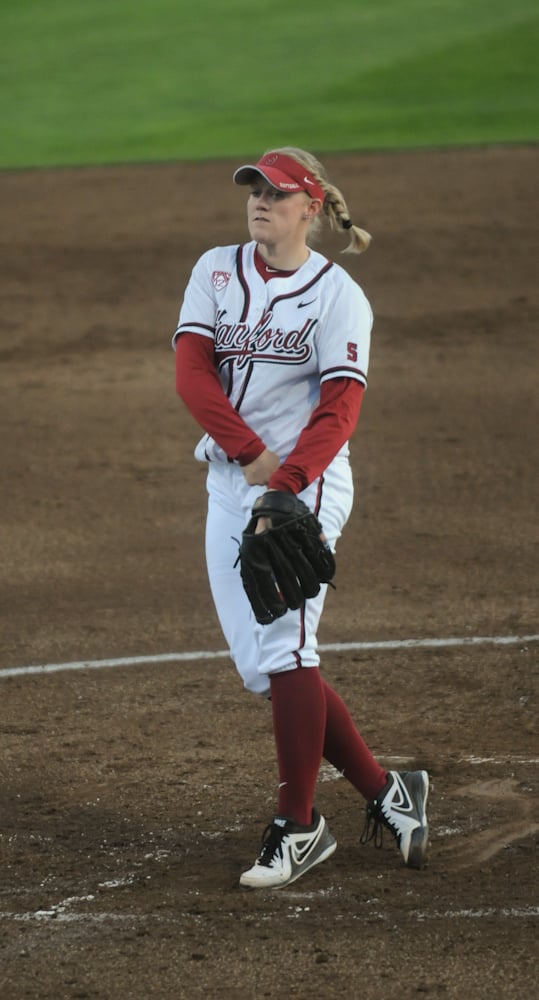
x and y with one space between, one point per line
227 517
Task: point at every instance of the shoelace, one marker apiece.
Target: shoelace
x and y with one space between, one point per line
271 845
373 829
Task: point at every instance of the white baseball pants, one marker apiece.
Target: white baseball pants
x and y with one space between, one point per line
290 641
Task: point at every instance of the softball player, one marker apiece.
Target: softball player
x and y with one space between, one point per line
272 350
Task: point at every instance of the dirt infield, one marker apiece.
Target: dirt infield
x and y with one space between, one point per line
132 797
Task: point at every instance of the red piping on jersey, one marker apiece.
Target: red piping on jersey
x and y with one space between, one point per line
303 289
192 327
318 501
296 653
342 369
266 272
246 381
243 282
230 382
302 636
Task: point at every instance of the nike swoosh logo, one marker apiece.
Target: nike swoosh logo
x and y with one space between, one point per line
401 802
402 810
300 853
301 305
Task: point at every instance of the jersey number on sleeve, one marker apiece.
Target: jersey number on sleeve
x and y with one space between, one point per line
352 351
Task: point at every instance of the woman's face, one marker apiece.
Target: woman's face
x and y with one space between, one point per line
276 217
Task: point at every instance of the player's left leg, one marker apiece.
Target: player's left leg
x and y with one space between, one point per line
346 750
401 806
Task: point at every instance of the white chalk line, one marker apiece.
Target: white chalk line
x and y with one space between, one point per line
507 912
335 647
61 913
488 911
58 915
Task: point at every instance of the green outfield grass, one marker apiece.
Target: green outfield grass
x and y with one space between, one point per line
101 81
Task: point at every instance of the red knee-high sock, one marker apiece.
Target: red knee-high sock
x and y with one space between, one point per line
299 721
346 749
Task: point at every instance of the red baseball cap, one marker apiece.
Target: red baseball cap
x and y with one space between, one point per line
283 173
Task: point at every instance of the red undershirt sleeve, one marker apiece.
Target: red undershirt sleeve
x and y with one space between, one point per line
198 385
331 424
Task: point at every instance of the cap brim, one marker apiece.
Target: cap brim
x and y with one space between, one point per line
279 180
249 173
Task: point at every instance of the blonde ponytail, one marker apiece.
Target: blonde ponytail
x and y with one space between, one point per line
334 208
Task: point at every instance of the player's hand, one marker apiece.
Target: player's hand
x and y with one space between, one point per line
257 473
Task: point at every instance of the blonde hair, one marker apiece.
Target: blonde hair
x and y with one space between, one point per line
334 207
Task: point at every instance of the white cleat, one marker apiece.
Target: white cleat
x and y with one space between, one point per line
288 851
401 807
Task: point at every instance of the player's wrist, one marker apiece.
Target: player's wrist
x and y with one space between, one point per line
286 481
251 452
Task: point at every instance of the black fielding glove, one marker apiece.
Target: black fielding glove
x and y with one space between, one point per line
283 566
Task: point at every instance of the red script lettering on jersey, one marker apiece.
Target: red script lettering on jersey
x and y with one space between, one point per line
263 343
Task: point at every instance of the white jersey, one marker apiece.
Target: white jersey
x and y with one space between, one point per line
276 341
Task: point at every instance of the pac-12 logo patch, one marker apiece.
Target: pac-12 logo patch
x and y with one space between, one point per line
220 279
